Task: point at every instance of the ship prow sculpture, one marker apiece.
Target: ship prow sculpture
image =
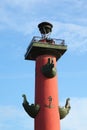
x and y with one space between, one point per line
46 51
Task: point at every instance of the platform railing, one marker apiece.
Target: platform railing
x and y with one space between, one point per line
52 41
56 41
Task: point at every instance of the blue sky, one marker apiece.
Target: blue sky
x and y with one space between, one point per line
18 24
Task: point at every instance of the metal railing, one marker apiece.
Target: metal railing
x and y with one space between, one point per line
56 41
53 41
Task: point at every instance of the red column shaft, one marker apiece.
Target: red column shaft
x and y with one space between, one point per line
47 118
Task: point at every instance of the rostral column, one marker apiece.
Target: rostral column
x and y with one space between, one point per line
46 51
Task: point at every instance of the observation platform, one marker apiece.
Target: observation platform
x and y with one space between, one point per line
39 46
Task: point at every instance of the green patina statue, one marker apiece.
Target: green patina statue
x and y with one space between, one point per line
32 110
63 111
48 69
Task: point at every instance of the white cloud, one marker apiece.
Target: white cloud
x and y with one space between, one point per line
13 118
23 16
74 35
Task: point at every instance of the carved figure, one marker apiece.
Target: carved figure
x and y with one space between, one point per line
63 111
48 69
32 110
